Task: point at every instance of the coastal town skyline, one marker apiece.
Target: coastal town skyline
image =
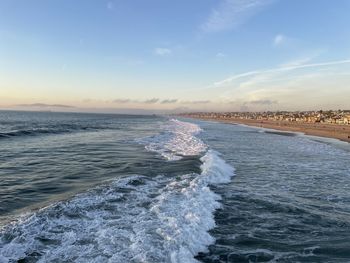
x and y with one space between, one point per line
132 57
341 117
330 124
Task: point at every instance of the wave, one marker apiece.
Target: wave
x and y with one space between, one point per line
177 140
131 219
45 131
184 212
30 132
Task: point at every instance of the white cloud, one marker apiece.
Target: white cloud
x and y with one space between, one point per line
162 51
279 40
232 13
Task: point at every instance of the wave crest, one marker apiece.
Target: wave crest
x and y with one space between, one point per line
177 140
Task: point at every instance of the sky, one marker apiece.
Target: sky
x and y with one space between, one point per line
184 55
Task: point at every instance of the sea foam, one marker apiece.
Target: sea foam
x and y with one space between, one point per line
177 139
185 209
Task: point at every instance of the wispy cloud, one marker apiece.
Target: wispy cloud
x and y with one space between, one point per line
303 60
289 67
232 13
297 62
159 51
151 101
288 86
43 105
263 102
282 40
168 101
196 102
121 101
234 77
259 104
279 40
146 101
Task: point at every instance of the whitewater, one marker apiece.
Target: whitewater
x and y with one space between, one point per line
134 218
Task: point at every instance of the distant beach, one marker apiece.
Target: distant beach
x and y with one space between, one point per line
336 131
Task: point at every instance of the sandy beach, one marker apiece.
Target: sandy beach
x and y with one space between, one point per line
336 131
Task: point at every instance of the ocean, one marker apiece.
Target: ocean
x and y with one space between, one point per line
124 188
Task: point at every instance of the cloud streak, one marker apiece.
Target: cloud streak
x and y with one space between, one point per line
159 101
263 102
147 101
232 13
43 105
150 101
279 69
122 101
168 101
196 102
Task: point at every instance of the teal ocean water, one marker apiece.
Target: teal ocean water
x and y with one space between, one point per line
122 188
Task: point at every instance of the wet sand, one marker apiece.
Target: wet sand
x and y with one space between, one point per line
336 131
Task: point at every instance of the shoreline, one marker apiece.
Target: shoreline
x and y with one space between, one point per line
335 131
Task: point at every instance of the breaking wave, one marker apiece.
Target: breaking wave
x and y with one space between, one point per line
177 140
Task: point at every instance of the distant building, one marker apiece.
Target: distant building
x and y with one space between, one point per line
331 117
347 119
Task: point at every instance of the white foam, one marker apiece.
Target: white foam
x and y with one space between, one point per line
185 212
177 140
93 227
134 219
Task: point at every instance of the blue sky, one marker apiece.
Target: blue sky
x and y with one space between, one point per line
193 55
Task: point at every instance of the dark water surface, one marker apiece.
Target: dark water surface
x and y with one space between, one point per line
119 188
288 202
46 155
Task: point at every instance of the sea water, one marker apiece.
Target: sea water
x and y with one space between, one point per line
122 188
